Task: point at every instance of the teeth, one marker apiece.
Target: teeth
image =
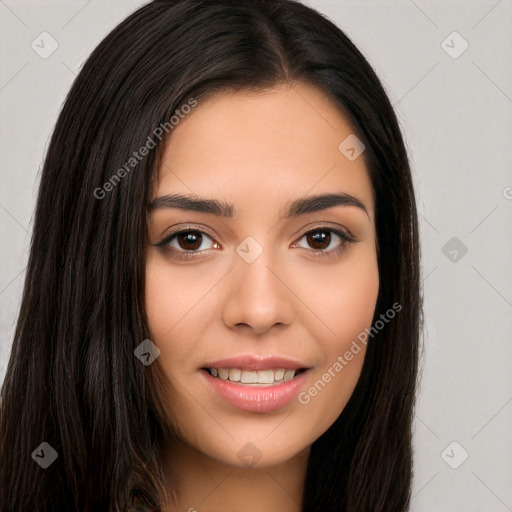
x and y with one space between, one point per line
288 375
266 376
234 375
253 376
247 377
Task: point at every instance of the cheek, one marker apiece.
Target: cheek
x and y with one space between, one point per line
172 298
355 300
341 299
345 306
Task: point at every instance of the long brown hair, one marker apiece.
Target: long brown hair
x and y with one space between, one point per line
72 379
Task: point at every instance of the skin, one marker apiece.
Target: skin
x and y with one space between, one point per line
257 151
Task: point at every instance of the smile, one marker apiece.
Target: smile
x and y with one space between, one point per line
267 377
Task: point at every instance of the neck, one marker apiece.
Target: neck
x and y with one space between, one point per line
203 484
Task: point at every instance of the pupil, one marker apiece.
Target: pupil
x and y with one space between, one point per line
319 238
190 238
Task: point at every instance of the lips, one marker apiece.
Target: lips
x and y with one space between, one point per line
256 384
251 362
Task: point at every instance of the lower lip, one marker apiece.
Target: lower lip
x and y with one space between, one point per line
257 398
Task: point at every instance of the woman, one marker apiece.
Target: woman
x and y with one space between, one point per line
222 305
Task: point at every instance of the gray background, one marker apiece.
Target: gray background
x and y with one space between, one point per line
455 109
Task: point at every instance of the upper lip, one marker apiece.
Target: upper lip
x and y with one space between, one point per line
251 362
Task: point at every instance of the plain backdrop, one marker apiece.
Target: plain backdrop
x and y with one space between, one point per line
447 68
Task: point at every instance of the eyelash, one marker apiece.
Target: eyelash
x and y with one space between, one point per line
187 255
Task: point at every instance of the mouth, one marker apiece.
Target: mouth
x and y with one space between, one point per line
256 383
254 377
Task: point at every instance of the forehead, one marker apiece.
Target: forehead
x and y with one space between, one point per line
253 146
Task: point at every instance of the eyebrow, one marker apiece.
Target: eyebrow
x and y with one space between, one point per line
293 208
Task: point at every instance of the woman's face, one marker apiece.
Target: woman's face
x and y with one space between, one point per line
267 285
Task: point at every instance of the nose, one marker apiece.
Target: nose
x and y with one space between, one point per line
258 296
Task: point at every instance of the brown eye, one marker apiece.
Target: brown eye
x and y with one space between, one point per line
322 241
319 239
189 240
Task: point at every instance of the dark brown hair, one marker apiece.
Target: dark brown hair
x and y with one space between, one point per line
72 378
